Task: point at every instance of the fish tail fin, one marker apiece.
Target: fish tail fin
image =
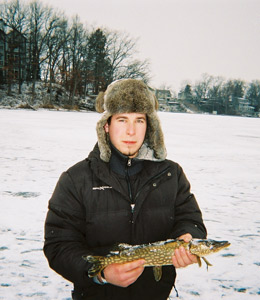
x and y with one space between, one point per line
97 264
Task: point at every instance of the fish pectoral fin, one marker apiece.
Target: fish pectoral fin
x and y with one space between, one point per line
199 261
157 272
207 262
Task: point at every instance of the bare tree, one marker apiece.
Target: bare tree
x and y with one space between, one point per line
77 51
215 93
135 69
121 49
14 14
41 23
202 87
68 53
54 42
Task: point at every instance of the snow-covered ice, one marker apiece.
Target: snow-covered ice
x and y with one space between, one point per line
219 154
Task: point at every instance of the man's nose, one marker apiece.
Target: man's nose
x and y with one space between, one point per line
131 129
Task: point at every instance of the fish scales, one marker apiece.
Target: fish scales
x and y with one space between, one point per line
152 256
157 255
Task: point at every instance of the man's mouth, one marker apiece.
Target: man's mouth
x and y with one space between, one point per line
129 142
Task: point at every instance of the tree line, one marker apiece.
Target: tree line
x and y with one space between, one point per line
85 60
65 51
232 96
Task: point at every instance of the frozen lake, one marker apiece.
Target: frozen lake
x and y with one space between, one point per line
219 154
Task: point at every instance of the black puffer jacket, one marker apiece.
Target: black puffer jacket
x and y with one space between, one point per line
90 211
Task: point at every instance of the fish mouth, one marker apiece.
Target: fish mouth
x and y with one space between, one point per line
209 245
218 245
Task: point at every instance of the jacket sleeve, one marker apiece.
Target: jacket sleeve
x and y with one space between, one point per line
188 217
65 241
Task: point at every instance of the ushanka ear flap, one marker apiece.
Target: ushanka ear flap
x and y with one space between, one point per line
156 103
100 102
103 138
154 136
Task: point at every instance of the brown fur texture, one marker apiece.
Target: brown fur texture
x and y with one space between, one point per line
130 96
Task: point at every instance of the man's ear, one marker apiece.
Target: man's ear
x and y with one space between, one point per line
106 127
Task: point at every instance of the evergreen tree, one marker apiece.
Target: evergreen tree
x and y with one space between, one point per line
253 94
98 62
187 92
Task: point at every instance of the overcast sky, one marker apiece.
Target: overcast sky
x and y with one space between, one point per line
182 38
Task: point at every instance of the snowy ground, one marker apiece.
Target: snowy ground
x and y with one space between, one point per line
220 155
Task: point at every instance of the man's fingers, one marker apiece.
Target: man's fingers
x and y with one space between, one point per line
193 258
124 274
183 258
131 271
186 237
133 265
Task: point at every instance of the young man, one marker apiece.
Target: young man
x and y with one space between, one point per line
126 191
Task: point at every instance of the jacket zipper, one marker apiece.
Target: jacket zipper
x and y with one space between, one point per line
128 165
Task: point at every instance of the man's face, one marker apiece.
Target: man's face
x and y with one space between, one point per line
127 132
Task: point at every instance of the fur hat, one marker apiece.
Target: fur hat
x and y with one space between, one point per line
130 96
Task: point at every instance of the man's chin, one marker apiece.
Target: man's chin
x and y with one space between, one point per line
130 154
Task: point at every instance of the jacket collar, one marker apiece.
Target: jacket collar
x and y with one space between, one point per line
119 163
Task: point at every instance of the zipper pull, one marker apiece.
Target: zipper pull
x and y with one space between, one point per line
129 162
133 207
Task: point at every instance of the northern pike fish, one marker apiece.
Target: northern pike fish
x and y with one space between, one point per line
156 254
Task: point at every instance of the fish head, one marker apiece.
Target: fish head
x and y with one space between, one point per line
205 247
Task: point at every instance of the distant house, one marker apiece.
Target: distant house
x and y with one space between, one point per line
167 102
163 96
244 107
13 56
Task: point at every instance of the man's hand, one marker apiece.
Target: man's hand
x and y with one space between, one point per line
182 258
124 274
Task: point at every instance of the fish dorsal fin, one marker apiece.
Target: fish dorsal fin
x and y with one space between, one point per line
119 247
124 246
157 272
114 252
